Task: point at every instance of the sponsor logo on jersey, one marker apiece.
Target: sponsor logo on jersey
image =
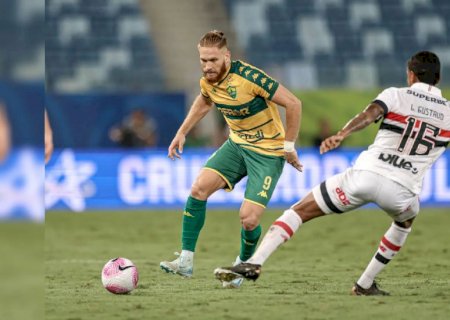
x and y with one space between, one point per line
397 162
427 98
252 137
235 112
342 196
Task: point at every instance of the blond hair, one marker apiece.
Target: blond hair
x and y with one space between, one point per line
214 38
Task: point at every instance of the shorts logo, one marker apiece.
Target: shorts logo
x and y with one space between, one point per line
188 214
342 196
397 162
262 194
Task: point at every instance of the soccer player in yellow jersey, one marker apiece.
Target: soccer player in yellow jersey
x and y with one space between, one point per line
258 145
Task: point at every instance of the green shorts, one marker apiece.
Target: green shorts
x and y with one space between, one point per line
233 163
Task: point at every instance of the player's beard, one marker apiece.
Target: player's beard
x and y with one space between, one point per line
220 75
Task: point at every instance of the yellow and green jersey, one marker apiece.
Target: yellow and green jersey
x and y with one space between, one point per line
244 98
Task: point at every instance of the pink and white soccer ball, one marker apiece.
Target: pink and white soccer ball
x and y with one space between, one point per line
119 276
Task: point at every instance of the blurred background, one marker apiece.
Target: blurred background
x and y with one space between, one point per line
130 54
121 75
22 97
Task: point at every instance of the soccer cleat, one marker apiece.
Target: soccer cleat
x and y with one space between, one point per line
181 266
236 283
357 290
245 270
233 284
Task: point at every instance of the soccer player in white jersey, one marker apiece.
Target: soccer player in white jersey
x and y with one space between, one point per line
414 132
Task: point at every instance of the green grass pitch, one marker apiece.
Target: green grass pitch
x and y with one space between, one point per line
308 278
21 270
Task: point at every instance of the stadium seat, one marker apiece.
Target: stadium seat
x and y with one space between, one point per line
130 27
257 25
86 76
322 5
410 6
267 2
28 9
364 13
444 55
71 27
430 25
391 72
331 73
56 6
91 40
300 75
31 70
314 36
115 57
377 41
115 6
362 75
297 8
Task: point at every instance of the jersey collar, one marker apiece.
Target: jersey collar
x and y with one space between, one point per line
427 88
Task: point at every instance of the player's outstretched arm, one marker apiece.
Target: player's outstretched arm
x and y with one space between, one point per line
200 107
283 97
372 112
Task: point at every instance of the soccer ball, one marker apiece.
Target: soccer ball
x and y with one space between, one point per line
120 276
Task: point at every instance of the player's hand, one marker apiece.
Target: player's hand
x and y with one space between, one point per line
331 143
176 144
292 159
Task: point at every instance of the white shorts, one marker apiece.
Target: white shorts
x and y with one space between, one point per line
353 188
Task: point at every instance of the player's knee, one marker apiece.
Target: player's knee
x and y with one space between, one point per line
249 224
199 192
249 221
307 209
405 224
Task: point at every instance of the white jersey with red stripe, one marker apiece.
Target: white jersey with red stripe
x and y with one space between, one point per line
413 134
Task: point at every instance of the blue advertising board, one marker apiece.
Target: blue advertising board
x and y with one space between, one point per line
80 180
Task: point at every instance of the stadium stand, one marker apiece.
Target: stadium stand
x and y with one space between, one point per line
99 45
21 34
108 45
342 40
